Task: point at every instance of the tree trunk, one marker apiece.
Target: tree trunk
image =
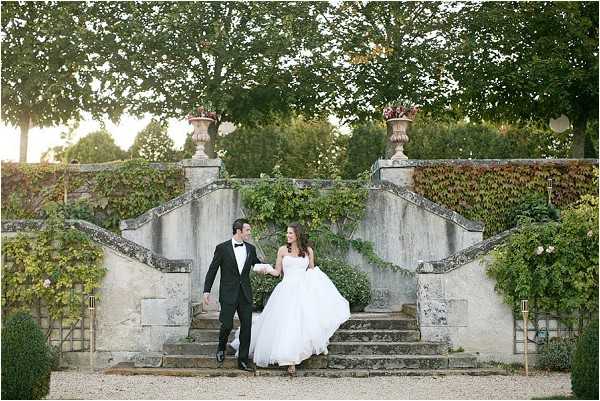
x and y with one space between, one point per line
579 126
24 126
209 148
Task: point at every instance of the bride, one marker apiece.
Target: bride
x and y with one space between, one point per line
302 313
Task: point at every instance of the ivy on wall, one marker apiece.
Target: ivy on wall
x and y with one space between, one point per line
50 266
103 197
490 193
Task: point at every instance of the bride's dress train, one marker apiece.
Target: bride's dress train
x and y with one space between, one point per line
302 313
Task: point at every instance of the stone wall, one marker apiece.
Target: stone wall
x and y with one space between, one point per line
457 303
403 226
143 301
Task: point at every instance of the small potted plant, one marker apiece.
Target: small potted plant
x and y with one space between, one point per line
398 117
201 119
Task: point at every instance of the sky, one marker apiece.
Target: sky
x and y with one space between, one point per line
41 139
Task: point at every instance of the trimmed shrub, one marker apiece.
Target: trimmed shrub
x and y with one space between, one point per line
557 354
26 359
584 374
533 207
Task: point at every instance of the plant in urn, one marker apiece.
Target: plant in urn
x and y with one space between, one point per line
201 120
399 117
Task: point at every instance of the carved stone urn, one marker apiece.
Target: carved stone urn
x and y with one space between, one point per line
399 137
200 135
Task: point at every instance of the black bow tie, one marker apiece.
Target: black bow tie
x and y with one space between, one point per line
236 245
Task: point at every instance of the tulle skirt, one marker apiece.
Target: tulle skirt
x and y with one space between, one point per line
302 314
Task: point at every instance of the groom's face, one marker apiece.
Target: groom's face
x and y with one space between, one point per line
246 232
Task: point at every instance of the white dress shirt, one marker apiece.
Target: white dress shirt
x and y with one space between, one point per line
240 254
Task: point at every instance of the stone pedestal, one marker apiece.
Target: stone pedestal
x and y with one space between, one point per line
199 172
399 172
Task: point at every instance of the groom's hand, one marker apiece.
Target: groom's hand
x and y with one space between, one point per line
206 298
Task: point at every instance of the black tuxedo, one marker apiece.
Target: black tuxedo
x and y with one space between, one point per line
235 293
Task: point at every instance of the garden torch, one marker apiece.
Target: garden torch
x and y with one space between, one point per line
525 312
92 309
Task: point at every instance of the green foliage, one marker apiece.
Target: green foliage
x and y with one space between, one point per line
329 216
489 193
459 140
26 359
365 146
302 148
554 265
124 192
584 374
132 189
48 71
523 60
97 147
354 285
49 266
557 354
153 144
533 207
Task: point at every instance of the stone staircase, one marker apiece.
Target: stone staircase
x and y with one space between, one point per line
369 344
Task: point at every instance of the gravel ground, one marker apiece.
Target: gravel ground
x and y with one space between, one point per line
86 385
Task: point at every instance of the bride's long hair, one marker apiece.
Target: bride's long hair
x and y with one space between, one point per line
301 239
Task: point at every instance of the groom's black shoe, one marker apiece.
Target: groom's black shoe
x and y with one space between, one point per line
245 366
220 356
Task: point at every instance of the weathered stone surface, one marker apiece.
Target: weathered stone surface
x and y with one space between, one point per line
197 361
375 335
433 312
164 312
196 348
465 256
380 324
205 335
462 360
387 348
387 362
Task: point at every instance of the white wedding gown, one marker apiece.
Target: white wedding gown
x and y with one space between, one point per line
302 313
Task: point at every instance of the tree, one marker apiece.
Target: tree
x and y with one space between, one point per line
97 147
51 56
153 144
301 148
253 62
390 51
365 146
527 61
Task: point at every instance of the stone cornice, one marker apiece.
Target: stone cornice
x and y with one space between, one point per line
465 256
479 162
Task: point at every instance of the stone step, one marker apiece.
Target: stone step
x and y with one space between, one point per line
380 324
388 362
207 335
331 373
210 323
204 361
196 348
410 310
376 335
342 348
387 348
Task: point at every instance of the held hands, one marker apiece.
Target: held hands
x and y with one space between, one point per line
264 268
206 298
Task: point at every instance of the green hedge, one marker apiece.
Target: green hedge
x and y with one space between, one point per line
584 375
26 359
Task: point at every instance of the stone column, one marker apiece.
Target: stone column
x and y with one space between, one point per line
399 172
199 172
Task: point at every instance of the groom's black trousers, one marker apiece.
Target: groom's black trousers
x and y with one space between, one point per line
244 310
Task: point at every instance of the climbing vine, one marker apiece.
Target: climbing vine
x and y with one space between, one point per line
330 213
57 265
490 193
102 197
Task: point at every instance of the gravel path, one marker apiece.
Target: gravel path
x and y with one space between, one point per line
85 385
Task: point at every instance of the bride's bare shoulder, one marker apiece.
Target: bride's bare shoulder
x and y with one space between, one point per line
310 250
282 250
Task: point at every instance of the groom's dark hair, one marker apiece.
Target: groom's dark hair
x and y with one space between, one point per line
239 225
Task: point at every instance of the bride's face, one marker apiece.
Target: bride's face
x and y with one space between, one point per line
291 236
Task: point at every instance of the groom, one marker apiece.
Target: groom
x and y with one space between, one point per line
234 257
